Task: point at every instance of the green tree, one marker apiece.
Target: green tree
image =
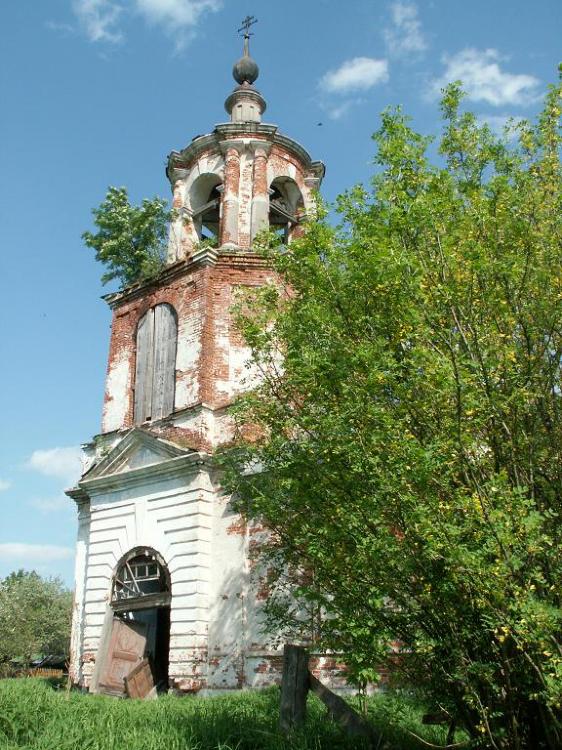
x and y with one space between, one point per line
407 456
131 241
35 615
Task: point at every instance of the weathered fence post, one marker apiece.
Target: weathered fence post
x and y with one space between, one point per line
354 725
294 688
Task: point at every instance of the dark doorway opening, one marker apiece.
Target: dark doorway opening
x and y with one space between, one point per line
156 622
141 598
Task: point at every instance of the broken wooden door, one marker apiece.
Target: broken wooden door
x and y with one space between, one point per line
140 683
125 651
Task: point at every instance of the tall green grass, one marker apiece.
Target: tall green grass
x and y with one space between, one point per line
34 716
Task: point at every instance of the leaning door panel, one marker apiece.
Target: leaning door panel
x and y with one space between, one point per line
126 650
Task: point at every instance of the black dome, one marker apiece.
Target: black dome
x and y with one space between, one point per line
245 70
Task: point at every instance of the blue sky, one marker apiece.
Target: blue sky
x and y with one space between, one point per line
98 92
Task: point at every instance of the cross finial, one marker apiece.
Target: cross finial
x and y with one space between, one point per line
246 70
246 24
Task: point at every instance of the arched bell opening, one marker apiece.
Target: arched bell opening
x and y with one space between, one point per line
204 201
286 208
141 596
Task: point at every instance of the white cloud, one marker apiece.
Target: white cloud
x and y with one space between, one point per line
57 462
484 80
177 14
341 110
404 36
62 28
498 123
52 504
4 485
99 18
30 553
358 74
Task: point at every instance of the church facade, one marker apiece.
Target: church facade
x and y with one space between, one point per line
163 563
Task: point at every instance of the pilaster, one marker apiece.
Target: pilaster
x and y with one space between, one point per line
230 202
260 197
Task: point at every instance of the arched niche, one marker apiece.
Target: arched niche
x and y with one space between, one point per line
204 204
286 207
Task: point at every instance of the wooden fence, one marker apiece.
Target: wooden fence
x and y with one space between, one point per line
297 681
44 672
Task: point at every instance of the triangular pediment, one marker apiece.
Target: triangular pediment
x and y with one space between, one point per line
136 450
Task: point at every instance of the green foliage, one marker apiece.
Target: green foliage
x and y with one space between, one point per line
408 457
35 617
131 240
35 717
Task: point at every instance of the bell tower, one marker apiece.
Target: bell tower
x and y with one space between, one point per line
163 561
242 178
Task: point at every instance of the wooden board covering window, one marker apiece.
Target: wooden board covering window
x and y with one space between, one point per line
155 376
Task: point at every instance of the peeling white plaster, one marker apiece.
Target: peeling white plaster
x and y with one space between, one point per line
116 405
187 363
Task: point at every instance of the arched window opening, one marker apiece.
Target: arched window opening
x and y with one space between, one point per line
155 379
285 207
205 197
140 576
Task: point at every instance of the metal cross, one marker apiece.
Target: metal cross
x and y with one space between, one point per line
246 23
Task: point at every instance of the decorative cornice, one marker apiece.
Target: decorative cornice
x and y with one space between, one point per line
204 256
242 259
248 129
184 158
318 170
79 495
200 258
179 466
167 275
132 440
232 132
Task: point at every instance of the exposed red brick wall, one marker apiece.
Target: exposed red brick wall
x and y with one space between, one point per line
202 297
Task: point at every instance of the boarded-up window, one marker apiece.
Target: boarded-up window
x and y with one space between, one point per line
157 335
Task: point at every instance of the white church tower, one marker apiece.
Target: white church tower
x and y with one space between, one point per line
163 563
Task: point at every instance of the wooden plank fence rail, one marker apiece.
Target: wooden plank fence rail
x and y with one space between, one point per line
45 672
297 680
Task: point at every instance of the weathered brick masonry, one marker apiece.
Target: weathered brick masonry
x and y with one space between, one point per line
202 296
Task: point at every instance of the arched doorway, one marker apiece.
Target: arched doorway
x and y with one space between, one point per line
140 597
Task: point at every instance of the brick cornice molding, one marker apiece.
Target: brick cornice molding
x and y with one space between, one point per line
166 276
242 259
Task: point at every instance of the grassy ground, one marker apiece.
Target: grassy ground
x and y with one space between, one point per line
34 716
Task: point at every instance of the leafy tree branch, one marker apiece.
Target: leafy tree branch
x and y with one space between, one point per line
131 241
410 447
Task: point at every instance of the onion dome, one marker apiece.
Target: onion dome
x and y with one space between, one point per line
246 69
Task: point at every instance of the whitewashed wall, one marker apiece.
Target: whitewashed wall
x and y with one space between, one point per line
167 506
